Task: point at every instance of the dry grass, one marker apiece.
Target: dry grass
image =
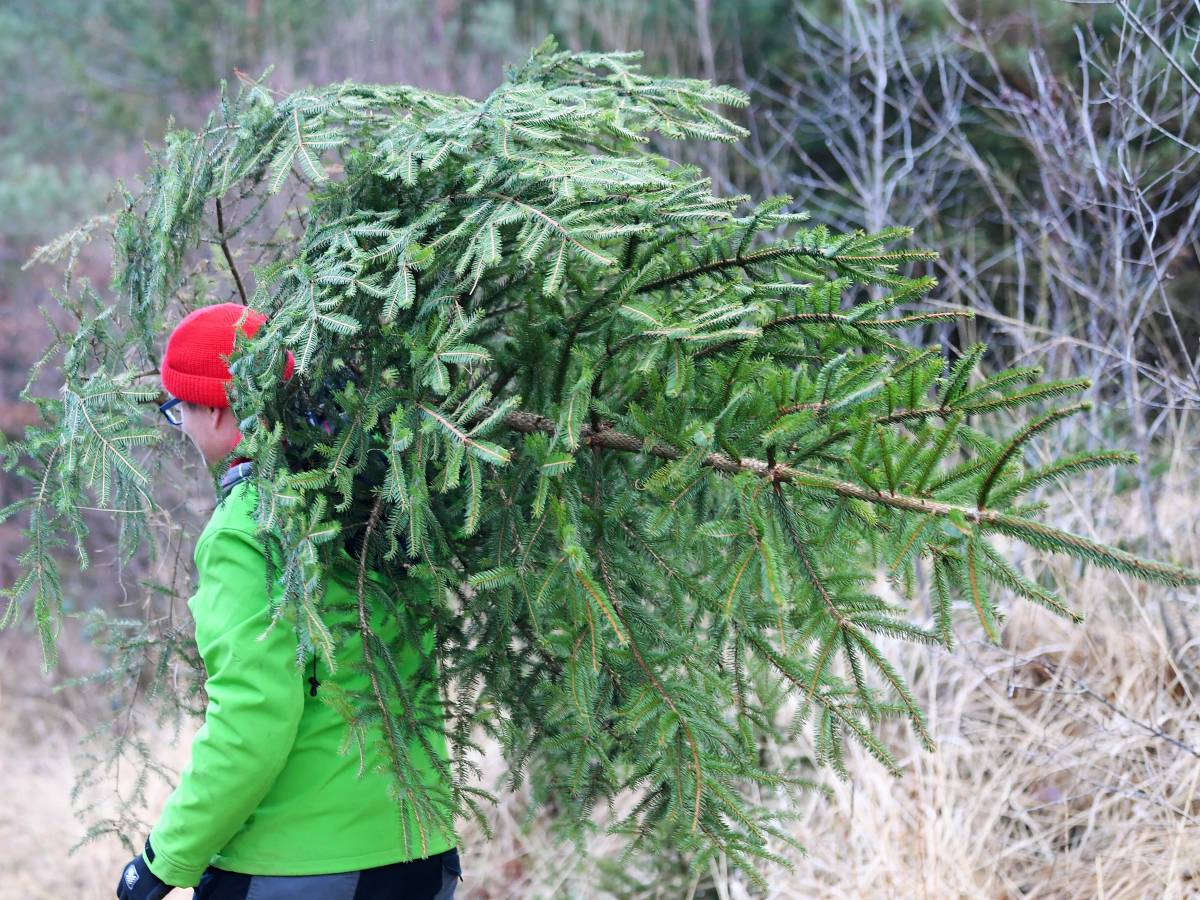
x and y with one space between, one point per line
41 734
1068 765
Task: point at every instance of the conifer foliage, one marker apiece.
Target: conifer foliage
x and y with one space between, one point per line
653 455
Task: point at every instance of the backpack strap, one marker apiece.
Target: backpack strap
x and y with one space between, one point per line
237 473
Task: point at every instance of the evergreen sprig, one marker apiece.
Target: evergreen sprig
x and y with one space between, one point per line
649 460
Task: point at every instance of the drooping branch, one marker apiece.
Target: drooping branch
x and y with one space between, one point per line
657 685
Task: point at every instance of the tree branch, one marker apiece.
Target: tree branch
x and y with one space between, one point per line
1036 533
229 256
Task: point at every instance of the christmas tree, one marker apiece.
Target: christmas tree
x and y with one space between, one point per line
659 452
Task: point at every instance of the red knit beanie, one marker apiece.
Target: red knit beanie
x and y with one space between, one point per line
193 367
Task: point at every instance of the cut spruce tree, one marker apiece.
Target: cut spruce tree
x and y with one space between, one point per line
677 478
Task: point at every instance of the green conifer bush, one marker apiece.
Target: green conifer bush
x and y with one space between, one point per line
653 452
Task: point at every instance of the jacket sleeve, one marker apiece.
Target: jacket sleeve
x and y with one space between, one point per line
255 700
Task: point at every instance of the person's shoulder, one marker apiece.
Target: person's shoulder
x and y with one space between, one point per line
235 511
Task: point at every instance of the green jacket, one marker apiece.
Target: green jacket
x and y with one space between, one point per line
269 790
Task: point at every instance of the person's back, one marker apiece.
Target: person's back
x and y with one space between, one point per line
347 822
279 798
317 815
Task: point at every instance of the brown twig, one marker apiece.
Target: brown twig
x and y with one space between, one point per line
229 256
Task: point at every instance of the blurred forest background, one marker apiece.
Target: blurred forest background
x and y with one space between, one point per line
1049 150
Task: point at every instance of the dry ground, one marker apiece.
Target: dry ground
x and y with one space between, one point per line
1068 765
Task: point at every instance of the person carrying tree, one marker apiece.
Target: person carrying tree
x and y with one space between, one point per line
270 805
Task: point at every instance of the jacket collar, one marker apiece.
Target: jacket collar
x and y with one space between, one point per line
238 470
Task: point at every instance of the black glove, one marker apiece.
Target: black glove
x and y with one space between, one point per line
138 882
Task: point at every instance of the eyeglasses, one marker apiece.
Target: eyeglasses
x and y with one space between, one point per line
170 413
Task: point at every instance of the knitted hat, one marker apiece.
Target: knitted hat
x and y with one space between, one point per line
193 367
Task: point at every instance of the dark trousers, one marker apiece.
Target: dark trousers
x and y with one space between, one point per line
432 878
